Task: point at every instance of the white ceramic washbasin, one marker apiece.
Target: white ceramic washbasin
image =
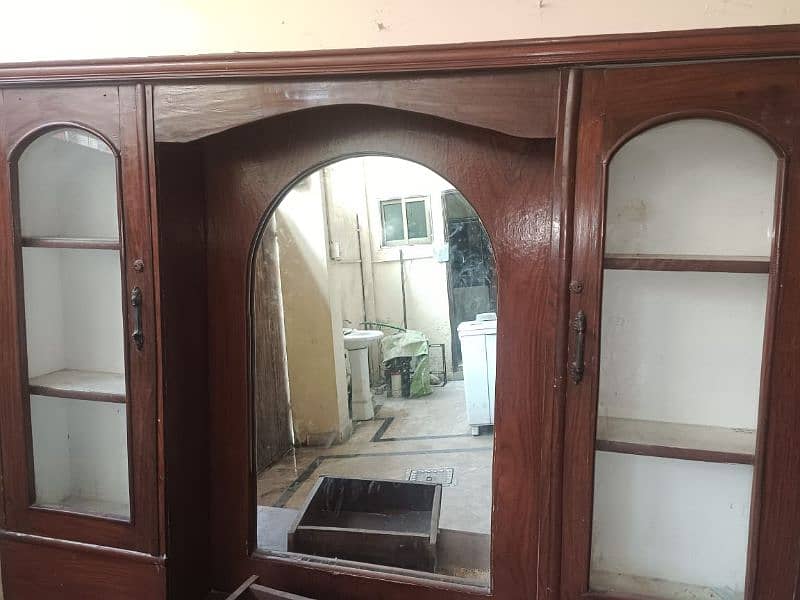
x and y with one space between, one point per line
360 338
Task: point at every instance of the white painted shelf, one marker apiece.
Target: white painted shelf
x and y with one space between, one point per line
82 385
623 584
92 506
676 440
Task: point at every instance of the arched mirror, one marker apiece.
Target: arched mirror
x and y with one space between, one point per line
69 233
373 336
688 251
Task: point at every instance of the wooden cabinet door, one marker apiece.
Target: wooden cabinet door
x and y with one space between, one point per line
78 365
681 446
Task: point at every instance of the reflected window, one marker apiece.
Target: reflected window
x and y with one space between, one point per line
392 213
405 221
374 360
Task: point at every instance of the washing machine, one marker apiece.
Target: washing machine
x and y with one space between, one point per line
479 356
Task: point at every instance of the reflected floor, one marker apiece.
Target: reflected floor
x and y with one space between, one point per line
428 433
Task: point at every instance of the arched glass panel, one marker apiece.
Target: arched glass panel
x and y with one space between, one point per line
374 342
688 247
68 211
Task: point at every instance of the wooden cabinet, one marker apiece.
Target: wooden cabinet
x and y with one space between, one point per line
675 463
643 221
79 362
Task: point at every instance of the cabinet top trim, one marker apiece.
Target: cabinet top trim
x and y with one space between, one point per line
697 44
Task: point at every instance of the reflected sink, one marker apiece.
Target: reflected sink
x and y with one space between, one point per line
360 338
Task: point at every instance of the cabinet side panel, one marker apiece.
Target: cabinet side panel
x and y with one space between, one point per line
32 571
181 216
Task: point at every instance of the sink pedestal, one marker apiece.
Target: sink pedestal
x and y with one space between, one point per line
359 381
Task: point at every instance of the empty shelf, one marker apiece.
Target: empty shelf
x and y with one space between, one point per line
92 506
81 385
618 585
702 263
69 242
676 440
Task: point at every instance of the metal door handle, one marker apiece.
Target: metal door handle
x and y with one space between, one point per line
576 367
136 302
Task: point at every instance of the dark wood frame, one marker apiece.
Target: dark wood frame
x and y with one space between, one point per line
478 163
662 46
629 106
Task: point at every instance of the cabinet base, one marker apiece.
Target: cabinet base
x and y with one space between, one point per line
35 568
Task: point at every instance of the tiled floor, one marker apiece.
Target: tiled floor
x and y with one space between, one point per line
424 433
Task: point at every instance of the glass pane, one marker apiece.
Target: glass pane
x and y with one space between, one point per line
392 222
374 408
79 455
706 327
74 324
692 187
699 508
417 219
68 183
689 232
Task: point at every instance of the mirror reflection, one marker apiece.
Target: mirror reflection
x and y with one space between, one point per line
374 325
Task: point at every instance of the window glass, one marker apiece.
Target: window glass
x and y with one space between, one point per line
74 324
417 219
392 222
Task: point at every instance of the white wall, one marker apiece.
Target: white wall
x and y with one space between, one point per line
676 520
80 454
693 186
44 29
346 210
312 317
682 347
58 201
686 347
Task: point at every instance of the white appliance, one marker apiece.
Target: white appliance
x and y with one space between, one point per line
479 355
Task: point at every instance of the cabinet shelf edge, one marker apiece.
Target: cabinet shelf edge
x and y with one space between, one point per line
702 264
675 452
72 243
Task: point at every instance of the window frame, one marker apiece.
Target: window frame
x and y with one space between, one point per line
403 201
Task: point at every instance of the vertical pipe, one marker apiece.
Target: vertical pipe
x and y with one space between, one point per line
403 289
361 269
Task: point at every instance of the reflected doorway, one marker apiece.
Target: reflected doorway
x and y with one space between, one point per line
471 275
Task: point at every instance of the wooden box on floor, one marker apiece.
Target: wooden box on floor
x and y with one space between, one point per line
393 523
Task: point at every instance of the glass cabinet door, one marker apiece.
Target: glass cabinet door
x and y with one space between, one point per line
67 195
688 248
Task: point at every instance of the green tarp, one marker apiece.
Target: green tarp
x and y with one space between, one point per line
414 345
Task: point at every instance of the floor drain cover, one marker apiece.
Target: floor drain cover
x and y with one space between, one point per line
443 476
